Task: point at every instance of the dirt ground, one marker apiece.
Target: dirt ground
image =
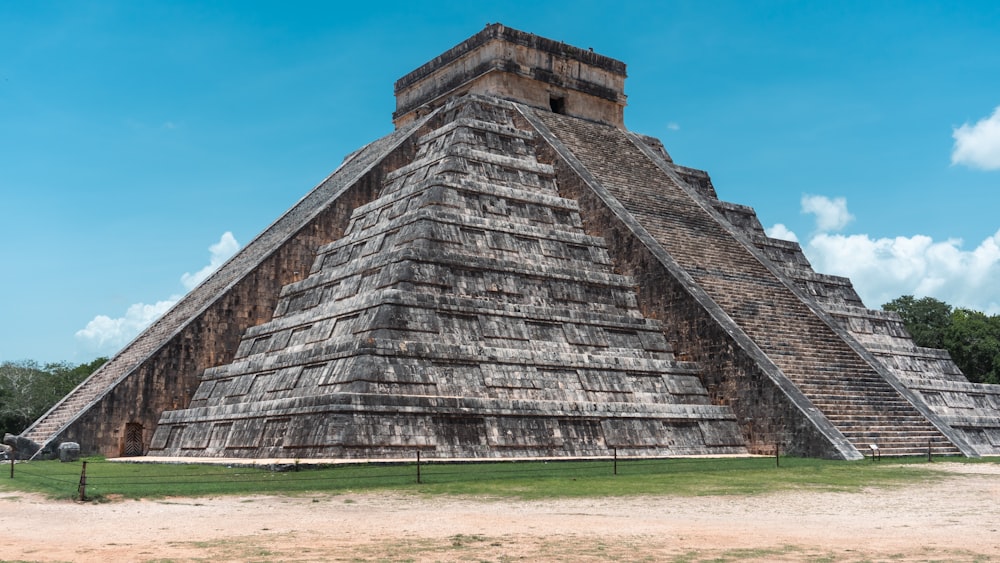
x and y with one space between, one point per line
956 519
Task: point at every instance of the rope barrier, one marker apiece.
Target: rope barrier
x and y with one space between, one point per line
439 470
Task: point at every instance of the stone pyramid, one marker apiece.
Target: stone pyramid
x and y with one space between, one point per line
512 273
464 311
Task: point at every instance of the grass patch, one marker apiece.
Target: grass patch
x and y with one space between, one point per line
525 480
686 477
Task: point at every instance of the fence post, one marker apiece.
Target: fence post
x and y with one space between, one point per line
13 458
616 460
777 453
418 467
929 450
83 483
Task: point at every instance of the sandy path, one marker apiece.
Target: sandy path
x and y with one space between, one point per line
955 519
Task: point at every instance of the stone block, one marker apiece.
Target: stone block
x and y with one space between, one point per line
69 451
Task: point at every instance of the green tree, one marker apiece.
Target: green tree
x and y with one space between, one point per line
973 339
927 319
15 394
28 389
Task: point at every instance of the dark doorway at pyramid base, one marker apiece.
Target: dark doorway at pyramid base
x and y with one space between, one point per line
132 442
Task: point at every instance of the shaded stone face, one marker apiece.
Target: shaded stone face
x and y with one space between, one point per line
511 273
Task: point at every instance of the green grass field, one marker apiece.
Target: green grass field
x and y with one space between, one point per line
525 480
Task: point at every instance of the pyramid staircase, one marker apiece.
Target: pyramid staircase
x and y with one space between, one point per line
851 393
971 410
466 313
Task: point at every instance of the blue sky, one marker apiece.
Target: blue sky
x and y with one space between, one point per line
142 142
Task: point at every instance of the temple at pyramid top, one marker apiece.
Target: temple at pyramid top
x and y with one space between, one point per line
522 67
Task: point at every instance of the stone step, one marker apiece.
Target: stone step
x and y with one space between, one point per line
888 433
847 409
911 452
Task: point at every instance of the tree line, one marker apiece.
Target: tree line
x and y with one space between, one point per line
28 389
971 337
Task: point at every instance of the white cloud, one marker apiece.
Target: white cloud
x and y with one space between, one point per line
831 214
220 252
978 145
673 126
883 269
105 335
782 232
